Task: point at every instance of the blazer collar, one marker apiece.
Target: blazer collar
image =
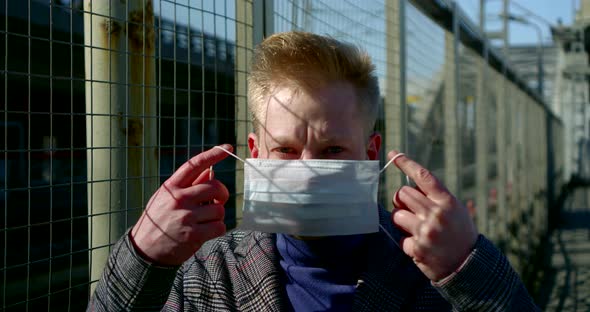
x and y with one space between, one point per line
387 284
391 278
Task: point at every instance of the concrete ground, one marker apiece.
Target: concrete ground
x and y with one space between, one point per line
567 283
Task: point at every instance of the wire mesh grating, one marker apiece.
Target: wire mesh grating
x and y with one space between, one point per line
45 225
196 84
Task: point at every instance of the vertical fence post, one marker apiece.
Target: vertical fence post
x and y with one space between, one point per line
451 92
263 22
395 93
535 157
514 175
120 123
244 44
481 146
501 155
141 123
105 138
525 174
541 171
550 168
522 181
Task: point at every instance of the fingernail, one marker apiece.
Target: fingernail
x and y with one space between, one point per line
395 201
226 146
396 156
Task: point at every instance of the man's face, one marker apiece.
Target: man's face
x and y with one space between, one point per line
326 124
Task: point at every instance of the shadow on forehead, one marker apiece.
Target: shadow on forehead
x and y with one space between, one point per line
284 105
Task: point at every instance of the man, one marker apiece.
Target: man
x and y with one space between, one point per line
312 97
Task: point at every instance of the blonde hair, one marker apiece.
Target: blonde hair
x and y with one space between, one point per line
311 61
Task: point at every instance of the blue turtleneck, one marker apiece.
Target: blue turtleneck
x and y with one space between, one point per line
322 274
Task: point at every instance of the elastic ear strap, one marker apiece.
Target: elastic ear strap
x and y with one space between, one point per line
253 167
389 235
391 161
230 153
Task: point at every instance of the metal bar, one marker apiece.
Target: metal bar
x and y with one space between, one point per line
188 84
203 78
28 154
215 77
481 146
395 136
263 19
513 190
51 148
174 103
107 124
141 126
522 182
5 252
104 131
451 83
159 88
246 31
501 156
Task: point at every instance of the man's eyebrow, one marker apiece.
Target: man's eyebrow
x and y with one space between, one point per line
334 137
281 139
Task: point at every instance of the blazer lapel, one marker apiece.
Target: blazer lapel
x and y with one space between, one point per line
390 282
257 276
391 279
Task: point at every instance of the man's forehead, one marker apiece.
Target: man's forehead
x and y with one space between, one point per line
293 99
285 134
331 113
288 129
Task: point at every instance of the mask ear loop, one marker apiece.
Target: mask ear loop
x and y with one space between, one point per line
390 161
389 235
232 154
408 181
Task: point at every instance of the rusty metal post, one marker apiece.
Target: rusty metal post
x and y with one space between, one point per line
121 119
141 128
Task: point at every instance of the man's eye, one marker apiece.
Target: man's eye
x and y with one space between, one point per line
285 150
334 150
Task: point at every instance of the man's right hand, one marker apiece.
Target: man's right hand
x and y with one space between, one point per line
185 212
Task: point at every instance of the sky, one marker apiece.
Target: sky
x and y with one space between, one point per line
549 10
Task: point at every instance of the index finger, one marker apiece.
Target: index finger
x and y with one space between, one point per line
423 178
190 170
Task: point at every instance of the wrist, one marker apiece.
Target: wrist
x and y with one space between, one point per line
138 249
459 262
464 261
441 281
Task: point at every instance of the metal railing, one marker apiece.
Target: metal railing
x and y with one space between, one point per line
163 80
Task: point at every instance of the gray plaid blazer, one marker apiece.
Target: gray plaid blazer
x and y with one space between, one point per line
240 272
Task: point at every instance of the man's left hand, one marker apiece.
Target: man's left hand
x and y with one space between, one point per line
441 234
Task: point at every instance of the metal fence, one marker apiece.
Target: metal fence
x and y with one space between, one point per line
103 100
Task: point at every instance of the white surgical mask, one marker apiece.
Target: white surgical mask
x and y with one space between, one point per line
311 197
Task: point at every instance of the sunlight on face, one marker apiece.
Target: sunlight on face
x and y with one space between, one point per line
326 124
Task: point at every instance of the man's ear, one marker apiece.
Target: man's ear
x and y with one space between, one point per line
374 146
253 145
